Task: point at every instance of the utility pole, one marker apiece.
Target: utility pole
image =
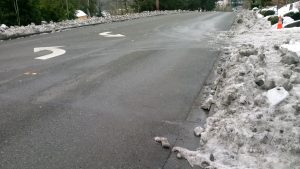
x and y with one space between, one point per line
68 13
157 5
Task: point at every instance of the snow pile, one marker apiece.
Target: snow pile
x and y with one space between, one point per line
256 120
19 31
80 13
293 46
293 7
287 20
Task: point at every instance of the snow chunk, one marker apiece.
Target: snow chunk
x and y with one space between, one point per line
4 26
207 103
80 13
164 142
193 157
287 20
277 95
293 46
198 130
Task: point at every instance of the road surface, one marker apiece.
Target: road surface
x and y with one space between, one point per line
100 104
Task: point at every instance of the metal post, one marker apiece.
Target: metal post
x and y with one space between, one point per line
157 5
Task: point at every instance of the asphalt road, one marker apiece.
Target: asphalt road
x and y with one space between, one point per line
101 103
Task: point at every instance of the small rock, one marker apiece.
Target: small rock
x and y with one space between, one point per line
259 81
290 58
295 78
224 74
287 86
205 164
297 108
287 73
262 59
229 97
269 84
276 47
260 100
265 139
211 157
297 69
242 72
207 103
219 70
248 52
239 21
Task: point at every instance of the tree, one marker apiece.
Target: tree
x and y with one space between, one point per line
7 12
142 5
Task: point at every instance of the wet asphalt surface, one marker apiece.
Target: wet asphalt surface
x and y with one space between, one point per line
101 103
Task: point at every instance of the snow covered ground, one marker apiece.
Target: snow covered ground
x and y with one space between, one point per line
292 7
256 112
19 31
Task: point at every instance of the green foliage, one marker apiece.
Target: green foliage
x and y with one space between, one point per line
254 5
7 12
267 12
89 6
264 3
260 3
149 5
273 19
294 15
43 10
27 9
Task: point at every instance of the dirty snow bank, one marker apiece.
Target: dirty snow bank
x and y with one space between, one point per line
256 120
19 31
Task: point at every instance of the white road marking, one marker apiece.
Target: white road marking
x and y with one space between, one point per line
56 51
109 35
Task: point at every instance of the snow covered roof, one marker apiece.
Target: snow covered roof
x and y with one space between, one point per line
80 13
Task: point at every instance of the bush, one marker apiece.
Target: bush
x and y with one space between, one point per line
273 19
267 12
254 5
295 16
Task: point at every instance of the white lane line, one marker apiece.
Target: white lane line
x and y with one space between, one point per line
56 51
109 35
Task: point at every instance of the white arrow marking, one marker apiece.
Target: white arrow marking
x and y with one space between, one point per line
56 51
109 35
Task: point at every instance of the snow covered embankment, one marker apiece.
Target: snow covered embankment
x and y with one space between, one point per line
21 31
256 120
